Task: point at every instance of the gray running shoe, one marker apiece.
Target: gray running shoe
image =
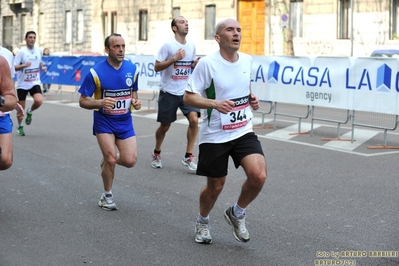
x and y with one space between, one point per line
107 202
202 233
156 161
190 163
240 232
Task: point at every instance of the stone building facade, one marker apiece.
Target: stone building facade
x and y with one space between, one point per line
307 27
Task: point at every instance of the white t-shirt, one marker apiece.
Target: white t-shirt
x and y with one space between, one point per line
29 76
216 78
7 54
174 78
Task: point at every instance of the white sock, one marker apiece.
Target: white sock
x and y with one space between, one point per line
107 192
238 211
201 219
29 111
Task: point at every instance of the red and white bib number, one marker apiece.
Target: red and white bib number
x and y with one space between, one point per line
236 118
181 70
31 74
123 101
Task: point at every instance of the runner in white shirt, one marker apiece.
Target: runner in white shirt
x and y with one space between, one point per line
175 59
28 63
220 84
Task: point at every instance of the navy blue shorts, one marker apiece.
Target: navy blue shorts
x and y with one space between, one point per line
5 124
213 158
119 125
167 107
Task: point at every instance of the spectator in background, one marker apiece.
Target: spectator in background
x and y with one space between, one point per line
46 87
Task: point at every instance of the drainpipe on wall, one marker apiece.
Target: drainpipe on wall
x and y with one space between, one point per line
351 29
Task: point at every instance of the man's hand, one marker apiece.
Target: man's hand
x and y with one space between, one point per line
225 106
195 62
254 102
181 53
108 103
136 104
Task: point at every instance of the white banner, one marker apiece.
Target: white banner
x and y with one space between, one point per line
362 84
148 78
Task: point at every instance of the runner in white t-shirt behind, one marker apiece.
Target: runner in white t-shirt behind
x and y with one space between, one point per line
28 63
175 59
220 84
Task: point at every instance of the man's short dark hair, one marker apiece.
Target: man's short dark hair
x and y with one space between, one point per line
29 32
173 23
106 42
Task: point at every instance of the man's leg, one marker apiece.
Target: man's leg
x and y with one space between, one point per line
6 151
207 200
210 194
160 135
37 101
108 149
255 168
127 152
192 131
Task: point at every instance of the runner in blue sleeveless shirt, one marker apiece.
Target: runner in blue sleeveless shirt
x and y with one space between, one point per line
110 89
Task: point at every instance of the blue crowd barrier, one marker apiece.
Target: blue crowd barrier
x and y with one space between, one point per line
68 70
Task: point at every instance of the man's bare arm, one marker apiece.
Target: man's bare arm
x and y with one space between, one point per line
6 87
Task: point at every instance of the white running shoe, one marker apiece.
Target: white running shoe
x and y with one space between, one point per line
190 163
156 161
107 202
202 233
240 232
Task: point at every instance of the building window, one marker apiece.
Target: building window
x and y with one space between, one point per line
114 19
7 32
210 18
176 12
105 24
41 26
395 19
23 26
344 21
143 27
68 26
296 12
80 26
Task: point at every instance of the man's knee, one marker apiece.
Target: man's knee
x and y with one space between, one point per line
5 164
129 162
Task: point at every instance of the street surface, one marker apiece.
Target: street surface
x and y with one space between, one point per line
320 204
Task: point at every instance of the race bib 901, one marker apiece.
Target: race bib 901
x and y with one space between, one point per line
123 101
